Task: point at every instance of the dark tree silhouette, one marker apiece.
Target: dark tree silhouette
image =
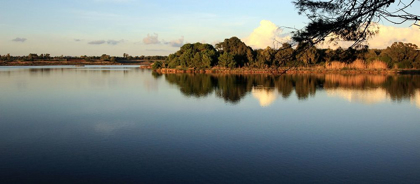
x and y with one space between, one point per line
349 20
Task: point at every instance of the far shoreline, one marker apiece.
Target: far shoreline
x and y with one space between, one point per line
77 63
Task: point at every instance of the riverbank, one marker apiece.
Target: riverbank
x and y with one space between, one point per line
77 62
289 71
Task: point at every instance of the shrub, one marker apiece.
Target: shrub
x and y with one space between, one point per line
157 65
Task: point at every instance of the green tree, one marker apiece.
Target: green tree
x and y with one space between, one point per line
227 60
157 65
113 59
308 56
193 55
284 55
197 60
105 57
240 51
265 57
8 57
32 57
371 55
401 54
329 55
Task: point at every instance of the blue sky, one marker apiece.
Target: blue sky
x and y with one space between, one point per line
136 27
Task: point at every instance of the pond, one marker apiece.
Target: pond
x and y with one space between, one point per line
69 124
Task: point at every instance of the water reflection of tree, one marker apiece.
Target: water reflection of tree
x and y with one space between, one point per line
156 75
305 85
402 87
284 85
232 88
197 85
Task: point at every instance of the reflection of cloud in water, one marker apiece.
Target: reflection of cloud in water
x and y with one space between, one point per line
416 99
109 127
265 96
369 96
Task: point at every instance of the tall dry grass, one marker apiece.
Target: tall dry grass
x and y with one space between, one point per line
376 64
335 65
357 64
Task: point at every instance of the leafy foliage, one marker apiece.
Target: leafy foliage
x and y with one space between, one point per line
349 20
401 54
157 64
226 60
196 55
234 46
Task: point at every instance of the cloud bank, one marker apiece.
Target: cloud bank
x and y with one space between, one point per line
267 34
151 39
386 37
19 39
389 34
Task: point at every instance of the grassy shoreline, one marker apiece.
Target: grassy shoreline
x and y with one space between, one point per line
295 70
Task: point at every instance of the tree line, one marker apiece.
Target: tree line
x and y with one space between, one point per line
233 53
103 57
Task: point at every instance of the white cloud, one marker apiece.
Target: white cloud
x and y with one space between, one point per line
176 43
19 39
151 39
215 42
267 34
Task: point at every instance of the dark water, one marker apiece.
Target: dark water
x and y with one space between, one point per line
127 125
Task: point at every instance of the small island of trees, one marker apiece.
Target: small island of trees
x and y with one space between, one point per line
233 54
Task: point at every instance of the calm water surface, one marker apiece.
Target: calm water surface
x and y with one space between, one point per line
67 124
